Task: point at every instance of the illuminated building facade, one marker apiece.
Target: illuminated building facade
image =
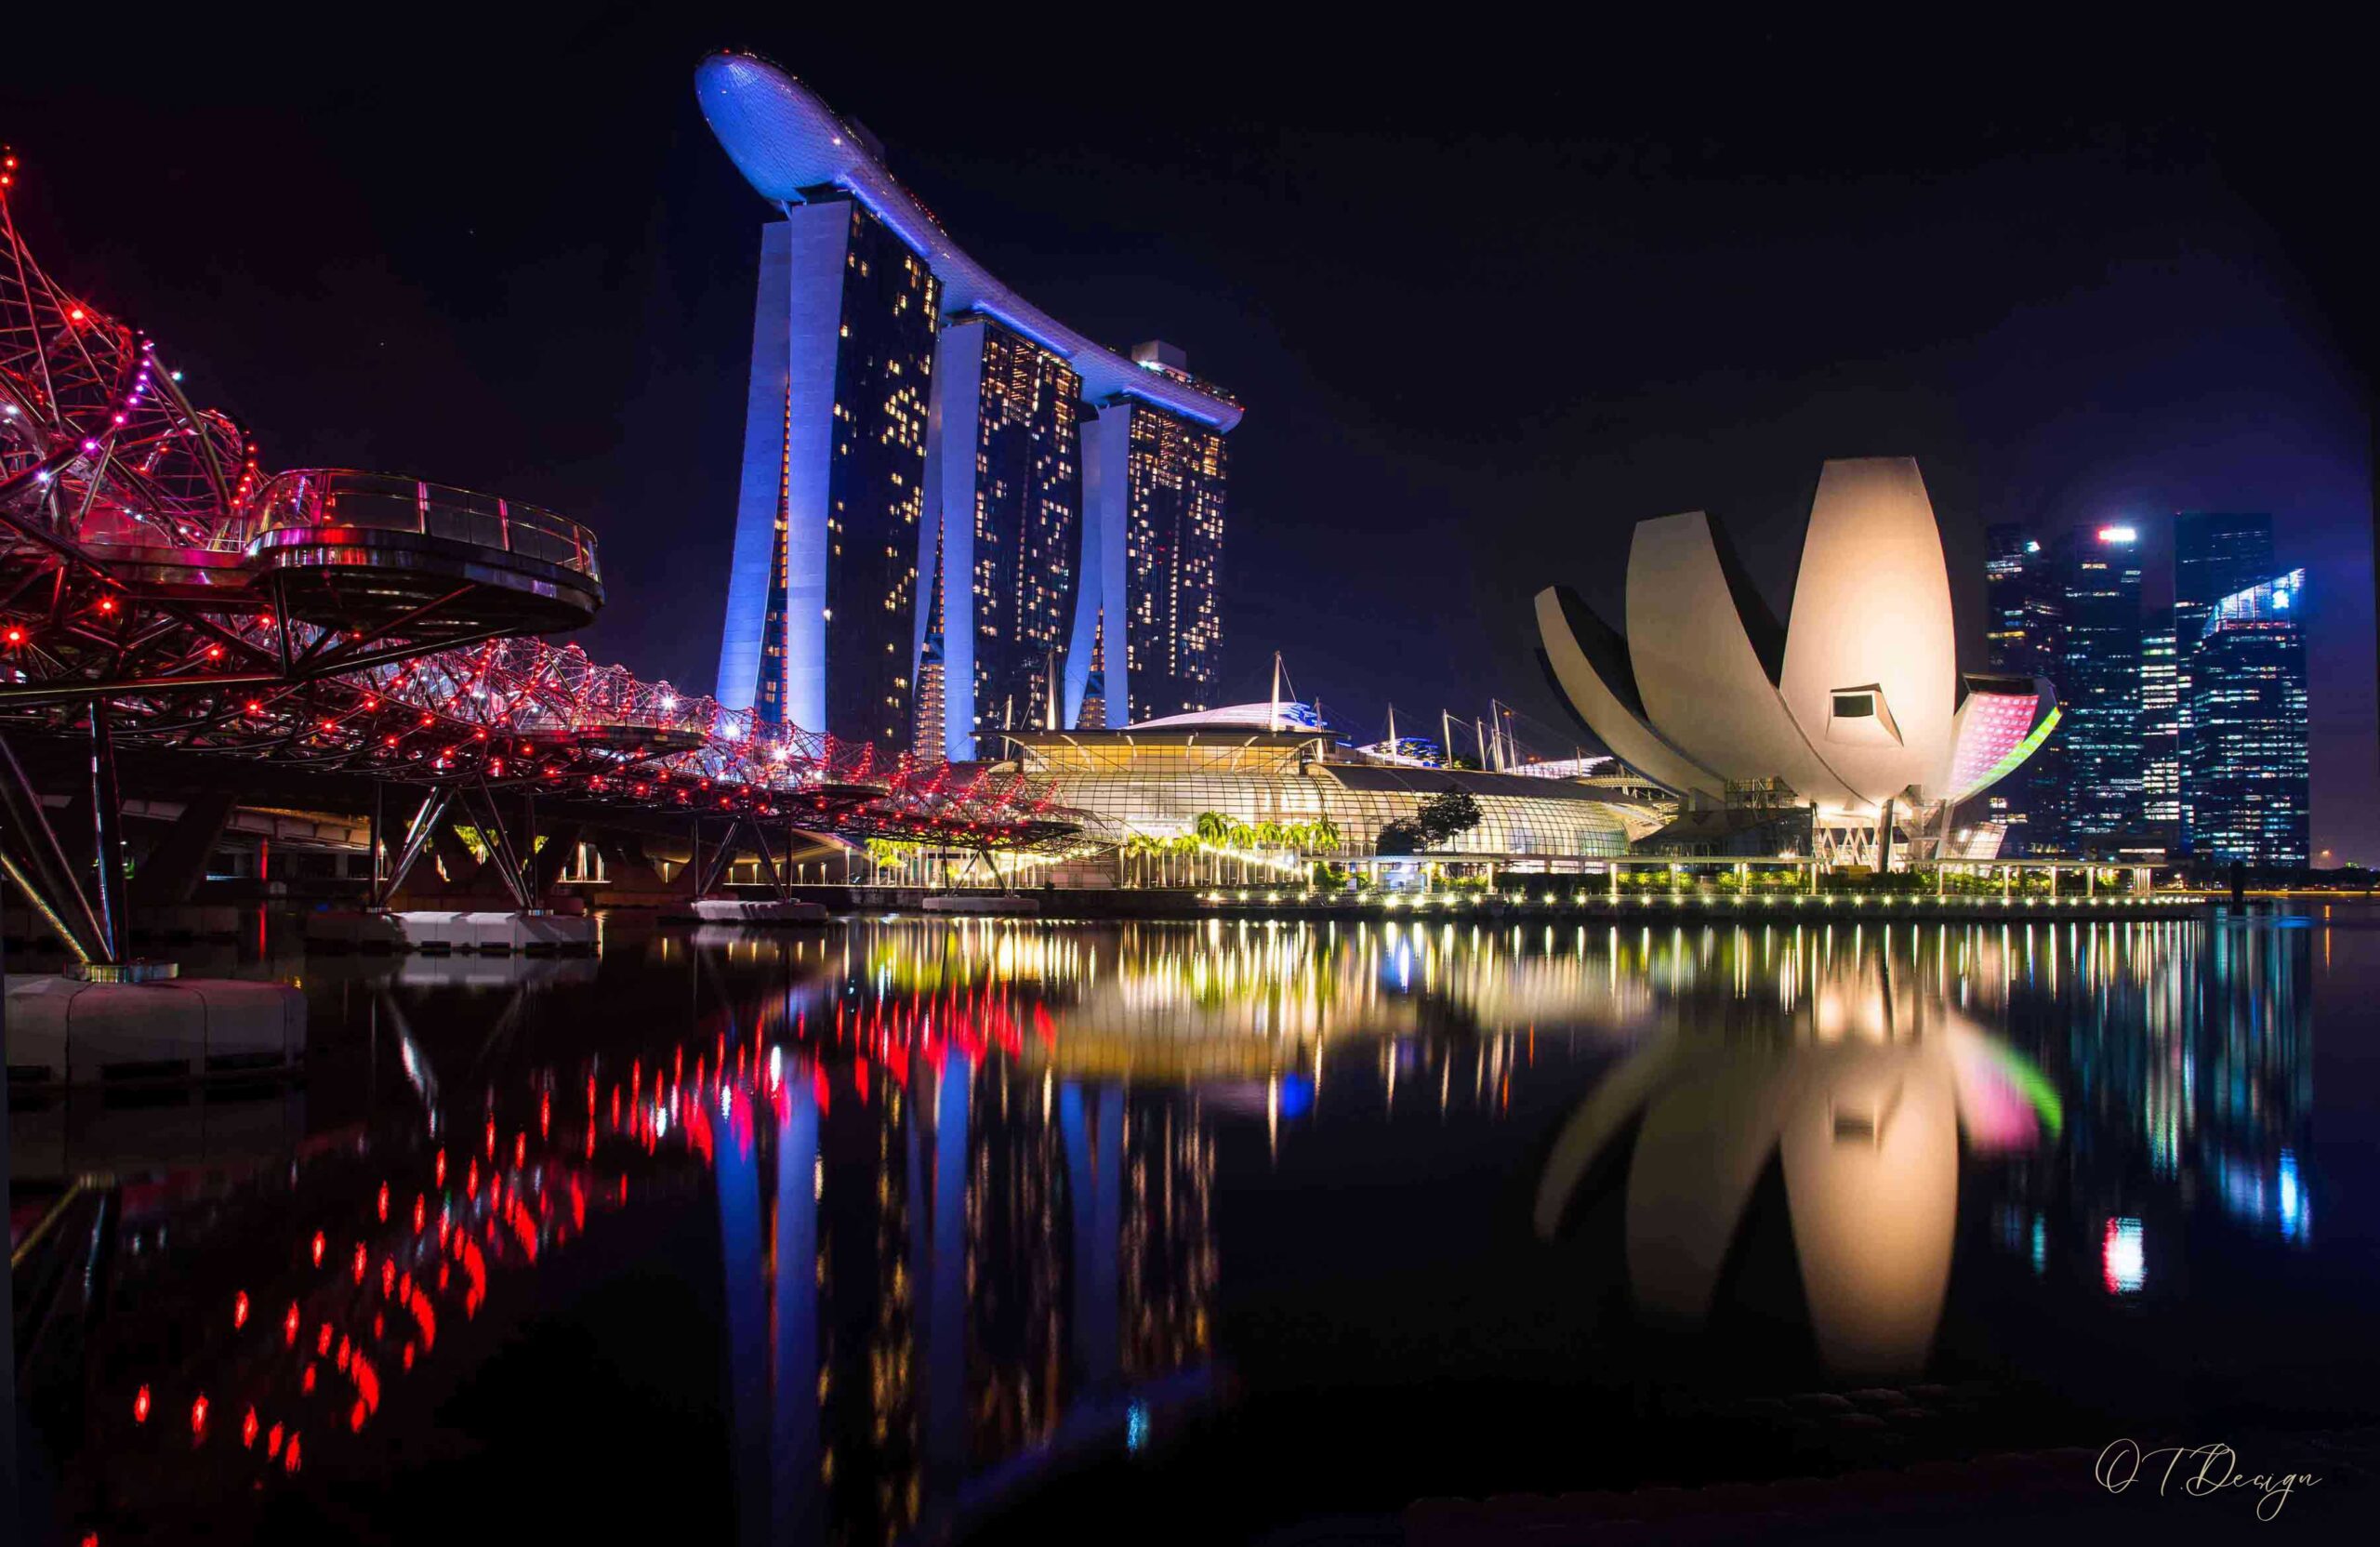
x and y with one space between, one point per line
1090 712
823 587
2246 761
901 395
1153 783
1153 483
2216 554
2099 688
1856 706
2024 608
1008 484
932 672
2160 733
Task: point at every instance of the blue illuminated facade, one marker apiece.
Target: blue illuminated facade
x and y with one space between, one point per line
2099 683
1005 480
2246 761
901 398
833 489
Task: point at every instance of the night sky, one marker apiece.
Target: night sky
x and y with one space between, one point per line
1488 301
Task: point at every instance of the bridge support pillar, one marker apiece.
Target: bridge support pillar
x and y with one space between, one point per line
107 837
178 863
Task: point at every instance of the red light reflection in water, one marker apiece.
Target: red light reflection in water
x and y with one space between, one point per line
546 1205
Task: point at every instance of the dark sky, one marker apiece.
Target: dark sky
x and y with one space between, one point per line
1489 300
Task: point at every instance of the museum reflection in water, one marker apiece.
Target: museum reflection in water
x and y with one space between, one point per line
965 1178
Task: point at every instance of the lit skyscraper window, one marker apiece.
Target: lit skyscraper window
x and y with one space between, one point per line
822 589
2098 684
2246 768
1007 471
2161 748
1159 498
2026 608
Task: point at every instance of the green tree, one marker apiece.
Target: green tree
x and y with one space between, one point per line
1447 813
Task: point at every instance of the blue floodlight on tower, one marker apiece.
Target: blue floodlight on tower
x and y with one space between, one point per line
866 439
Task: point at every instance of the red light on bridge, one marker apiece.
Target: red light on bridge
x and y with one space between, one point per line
141 1406
13 637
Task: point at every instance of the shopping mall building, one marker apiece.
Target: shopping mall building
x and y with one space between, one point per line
1140 792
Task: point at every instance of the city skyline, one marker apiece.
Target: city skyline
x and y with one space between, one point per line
2195 368
2185 721
902 780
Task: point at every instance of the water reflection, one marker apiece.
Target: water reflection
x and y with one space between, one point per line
1858 1087
1854 1065
953 1200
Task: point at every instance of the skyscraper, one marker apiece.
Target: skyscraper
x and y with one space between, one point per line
2246 765
1007 483
2160 744
2026 602
1154 486
834 478
903 398
2098 684
2216 554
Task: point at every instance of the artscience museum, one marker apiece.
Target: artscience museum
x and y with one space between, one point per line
1855 707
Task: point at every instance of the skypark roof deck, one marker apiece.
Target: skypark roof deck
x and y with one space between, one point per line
789 145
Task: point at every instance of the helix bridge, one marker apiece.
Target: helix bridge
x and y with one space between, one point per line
161 588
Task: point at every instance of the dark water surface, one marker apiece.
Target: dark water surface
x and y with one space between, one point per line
901 1230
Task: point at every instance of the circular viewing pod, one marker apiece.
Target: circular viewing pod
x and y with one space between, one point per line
638 741
369 552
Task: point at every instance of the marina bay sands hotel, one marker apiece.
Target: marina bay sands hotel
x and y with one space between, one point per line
958 516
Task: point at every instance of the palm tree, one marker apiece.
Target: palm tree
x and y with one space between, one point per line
1326 835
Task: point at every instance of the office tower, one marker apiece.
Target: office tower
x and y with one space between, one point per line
2161 746
903 397
822 591
2098 684
2245 761
2025 601
1007 477
2216 554
1154 486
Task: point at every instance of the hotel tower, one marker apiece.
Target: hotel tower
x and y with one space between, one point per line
915 431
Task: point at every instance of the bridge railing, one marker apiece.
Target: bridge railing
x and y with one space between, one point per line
323 498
